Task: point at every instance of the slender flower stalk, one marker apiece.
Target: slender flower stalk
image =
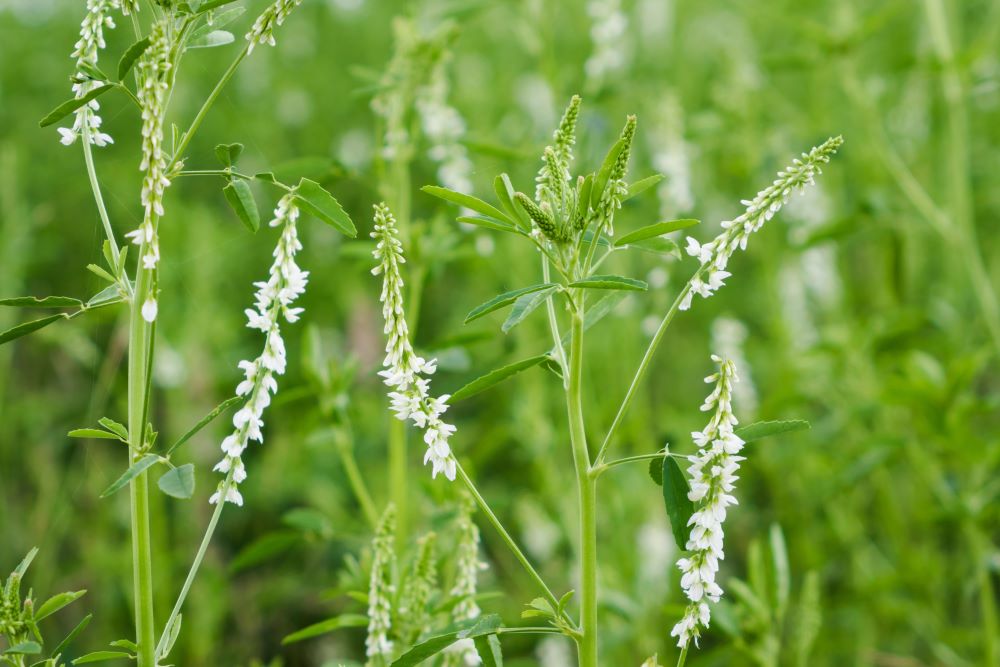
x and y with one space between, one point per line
273 301
380 592
463 652
713 477
262 31
403 367
714 255
86 51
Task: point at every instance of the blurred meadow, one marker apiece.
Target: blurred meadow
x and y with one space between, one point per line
867 307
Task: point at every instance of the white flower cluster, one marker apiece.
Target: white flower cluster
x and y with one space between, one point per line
154 71
380 591
262 31
272 301
467 563
714 256
713 476
444 128
86 51
403 367
608 34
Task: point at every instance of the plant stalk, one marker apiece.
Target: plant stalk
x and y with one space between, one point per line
587 493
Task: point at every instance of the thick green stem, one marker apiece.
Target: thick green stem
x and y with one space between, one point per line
587 493
142 568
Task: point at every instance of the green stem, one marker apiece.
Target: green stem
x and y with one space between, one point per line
597 470
142 569
554 322
203 111
511 544
643 367
88 157
398 477
346 450
587 492
199 557
682 658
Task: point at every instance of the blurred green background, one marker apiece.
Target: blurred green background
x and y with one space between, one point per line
864 307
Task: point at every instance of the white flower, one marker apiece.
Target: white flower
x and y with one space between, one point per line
149 309
86 51
410 397
608 33
272 301
444 128
262 31
713 477
714 256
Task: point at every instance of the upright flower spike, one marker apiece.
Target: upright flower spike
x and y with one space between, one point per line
86 51
713 477
380 592
467 566
153 71
714 255
403 367
613 195
272 302
262 30
413 618
555 173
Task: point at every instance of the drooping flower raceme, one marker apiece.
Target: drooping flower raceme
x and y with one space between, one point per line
262 30
467 566
714 255
713 476
273 302
86 51
380 592
153 71
403 367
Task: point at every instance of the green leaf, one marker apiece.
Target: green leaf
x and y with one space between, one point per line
114 427
171 632
69 106
656 470
505 195
25 563
329 625
656 229
679 508
320 203
212 4
240 198
485 625
205 421
228 153
611 282
24 648
101 656
759 430
57 602
601 180
42 302
28 327
80 627
211 39
134 471
96 434
488 647
502 300
642 185
469 202
126 644
178 482
524 306
658 245
107 296
496 376
489 223
131 54
223 18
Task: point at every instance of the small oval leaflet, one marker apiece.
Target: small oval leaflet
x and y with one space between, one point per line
178 482
240 199
502 300
675 497
69 106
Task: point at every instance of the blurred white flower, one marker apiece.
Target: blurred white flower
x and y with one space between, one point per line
86 51
262 31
